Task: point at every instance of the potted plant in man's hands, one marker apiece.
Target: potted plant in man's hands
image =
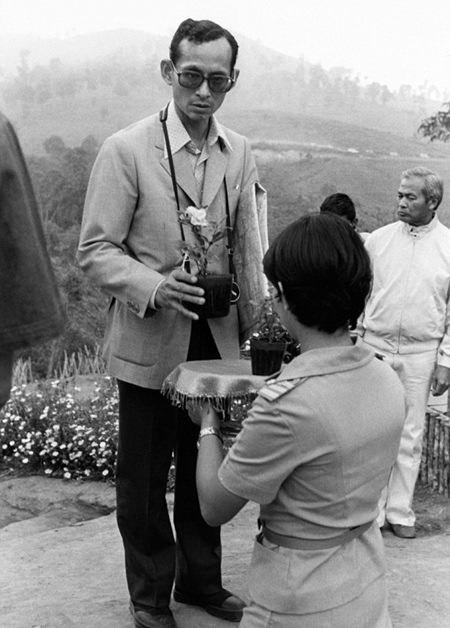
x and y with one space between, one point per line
217 287
271 343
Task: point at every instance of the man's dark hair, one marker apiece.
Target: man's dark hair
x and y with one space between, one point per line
324 271
201 31
341 205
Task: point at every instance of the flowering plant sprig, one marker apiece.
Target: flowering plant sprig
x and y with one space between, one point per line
271 329
206 234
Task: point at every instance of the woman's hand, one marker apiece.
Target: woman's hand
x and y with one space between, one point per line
217 504
203 414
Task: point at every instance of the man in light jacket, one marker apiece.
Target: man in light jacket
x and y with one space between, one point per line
407 320
130 246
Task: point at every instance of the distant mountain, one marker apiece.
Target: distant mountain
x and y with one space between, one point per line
95 83
78 49
91 47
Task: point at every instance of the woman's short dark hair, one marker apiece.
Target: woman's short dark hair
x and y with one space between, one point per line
324 271
201 31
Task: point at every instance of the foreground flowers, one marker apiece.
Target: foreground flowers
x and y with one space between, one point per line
43 429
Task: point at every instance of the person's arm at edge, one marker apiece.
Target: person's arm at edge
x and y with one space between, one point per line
359 329
441 376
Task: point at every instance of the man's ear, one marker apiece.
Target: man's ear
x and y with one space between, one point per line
236 74
167 71
432 204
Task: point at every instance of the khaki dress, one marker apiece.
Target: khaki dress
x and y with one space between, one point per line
316 451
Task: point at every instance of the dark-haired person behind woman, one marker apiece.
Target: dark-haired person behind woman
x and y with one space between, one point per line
317 446
343 206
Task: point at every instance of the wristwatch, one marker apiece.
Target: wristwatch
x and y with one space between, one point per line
206 431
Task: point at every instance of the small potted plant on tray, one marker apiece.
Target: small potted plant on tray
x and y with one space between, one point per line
271 343
217 287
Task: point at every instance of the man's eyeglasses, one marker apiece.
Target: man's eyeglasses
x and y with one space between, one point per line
191 79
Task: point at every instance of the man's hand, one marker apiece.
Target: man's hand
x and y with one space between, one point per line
440 381
179 286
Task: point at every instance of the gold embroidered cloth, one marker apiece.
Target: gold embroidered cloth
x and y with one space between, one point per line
218 381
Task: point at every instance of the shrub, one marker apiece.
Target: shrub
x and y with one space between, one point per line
43 429
48 428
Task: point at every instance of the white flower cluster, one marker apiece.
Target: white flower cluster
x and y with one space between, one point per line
46 430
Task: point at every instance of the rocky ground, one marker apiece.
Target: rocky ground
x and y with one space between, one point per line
61 563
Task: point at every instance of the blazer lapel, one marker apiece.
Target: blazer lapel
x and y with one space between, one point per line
184 176
183 171
215 172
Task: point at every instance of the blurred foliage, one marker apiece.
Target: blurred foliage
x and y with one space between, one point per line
437 126
60 179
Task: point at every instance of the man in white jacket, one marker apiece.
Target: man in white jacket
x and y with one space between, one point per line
407 320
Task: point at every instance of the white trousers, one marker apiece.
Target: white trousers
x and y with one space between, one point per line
415 371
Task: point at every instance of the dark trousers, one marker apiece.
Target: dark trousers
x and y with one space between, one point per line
150 429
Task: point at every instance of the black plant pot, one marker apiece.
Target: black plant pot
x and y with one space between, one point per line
266 357
217 296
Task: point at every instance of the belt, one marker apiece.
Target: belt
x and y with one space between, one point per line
293 542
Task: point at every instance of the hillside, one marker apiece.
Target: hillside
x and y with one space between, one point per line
313 133
95 84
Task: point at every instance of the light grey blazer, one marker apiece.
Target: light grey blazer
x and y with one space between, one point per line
130 240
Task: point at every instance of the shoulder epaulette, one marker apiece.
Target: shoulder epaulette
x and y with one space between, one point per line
274 389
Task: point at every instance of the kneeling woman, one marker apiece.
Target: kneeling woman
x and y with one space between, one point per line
317 446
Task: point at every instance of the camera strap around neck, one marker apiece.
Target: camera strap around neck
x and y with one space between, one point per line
163 119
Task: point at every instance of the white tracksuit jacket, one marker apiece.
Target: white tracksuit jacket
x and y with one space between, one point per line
408 309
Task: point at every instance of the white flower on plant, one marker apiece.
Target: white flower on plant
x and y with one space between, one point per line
206 233
197 216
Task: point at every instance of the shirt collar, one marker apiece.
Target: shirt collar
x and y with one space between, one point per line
328 360
419 232
179 137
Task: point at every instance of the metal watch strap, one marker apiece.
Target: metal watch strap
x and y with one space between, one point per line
209 431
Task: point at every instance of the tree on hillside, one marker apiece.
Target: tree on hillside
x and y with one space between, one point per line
60 179
373 92
437 126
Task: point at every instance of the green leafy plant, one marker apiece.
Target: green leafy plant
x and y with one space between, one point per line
206 234
270 329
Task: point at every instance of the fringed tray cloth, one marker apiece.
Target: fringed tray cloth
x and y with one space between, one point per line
228 384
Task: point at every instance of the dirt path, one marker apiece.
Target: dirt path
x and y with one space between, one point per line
59 570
